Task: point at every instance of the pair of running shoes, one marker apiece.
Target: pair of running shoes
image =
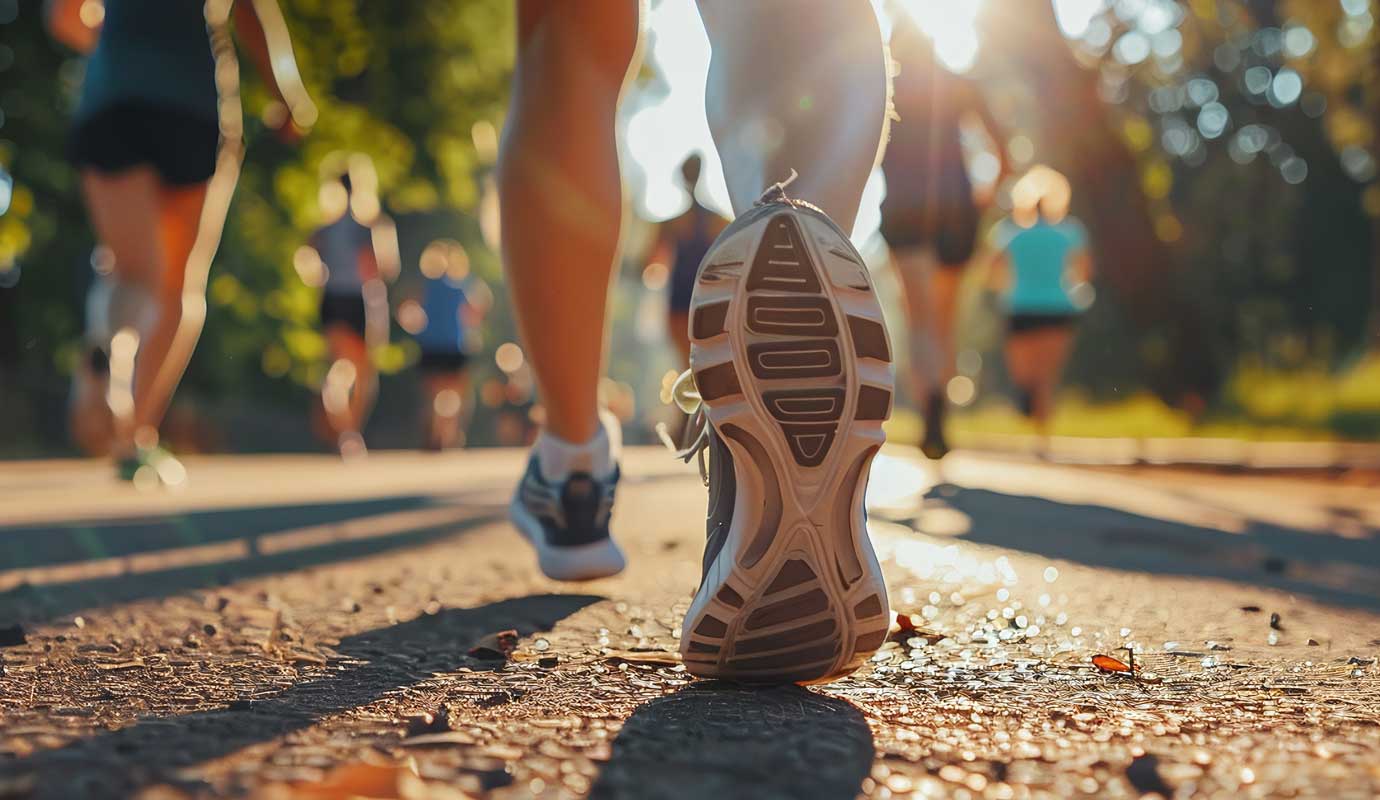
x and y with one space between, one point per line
788 387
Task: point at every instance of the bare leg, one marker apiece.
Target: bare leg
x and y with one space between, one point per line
125 212
348 391
678 328
1035 360
179 220
944 281
1053 344
913 268
447 398
561 197
792 90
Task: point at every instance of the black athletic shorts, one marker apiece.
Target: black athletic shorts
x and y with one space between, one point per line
344 309
443 361
951 230
1021 323
181 146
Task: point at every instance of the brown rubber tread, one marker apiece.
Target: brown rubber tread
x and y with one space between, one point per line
782 262
873 403
709 320
810 444
803 635
772 506
806 605
711 626
870 606
869 339
703 647
792 316
718 381
850 568
803 358
729 597
792 658
793 573
869 642
805 405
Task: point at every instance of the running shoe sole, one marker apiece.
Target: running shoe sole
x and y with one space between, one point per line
792 361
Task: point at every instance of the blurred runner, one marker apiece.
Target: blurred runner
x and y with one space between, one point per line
357 252
930 215
1043 264
682 244
145 138
453 304
789 354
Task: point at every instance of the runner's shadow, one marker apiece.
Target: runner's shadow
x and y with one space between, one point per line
717 740
377 662
1322 564
83 563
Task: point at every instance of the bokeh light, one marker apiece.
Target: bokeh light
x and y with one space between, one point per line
509 357
952 26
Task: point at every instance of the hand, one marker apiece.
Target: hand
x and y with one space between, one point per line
277 119
288 133
985 194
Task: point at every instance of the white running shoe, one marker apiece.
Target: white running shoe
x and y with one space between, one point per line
791 375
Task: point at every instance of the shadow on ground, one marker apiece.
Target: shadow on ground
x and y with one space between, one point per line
88 563
1334 569
115 764
716 740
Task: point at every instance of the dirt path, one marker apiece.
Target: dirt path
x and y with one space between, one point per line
284 617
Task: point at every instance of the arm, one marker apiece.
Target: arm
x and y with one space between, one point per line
994 130
1081 265
383 249
264 36
663 248
76 23
479 298
368 265
998 268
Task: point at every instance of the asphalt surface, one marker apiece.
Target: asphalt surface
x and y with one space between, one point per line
293 627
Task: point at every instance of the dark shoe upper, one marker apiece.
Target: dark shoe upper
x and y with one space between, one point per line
723 487
573 512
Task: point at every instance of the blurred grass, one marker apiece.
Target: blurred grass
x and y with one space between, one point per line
1258 404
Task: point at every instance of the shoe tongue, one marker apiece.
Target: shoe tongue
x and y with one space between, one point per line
579 486
581 462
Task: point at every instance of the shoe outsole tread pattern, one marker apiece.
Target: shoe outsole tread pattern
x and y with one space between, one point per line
792 360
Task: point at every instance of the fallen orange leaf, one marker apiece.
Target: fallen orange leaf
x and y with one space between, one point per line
1109 664
350 781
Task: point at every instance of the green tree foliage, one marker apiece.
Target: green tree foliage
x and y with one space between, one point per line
405 82
1240 135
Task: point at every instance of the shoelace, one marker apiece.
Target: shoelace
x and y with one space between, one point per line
695 440
686 395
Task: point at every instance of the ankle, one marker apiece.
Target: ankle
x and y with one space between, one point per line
598 455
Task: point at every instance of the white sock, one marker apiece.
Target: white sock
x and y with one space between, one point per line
598 456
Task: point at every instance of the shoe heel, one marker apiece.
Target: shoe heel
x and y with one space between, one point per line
792 360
